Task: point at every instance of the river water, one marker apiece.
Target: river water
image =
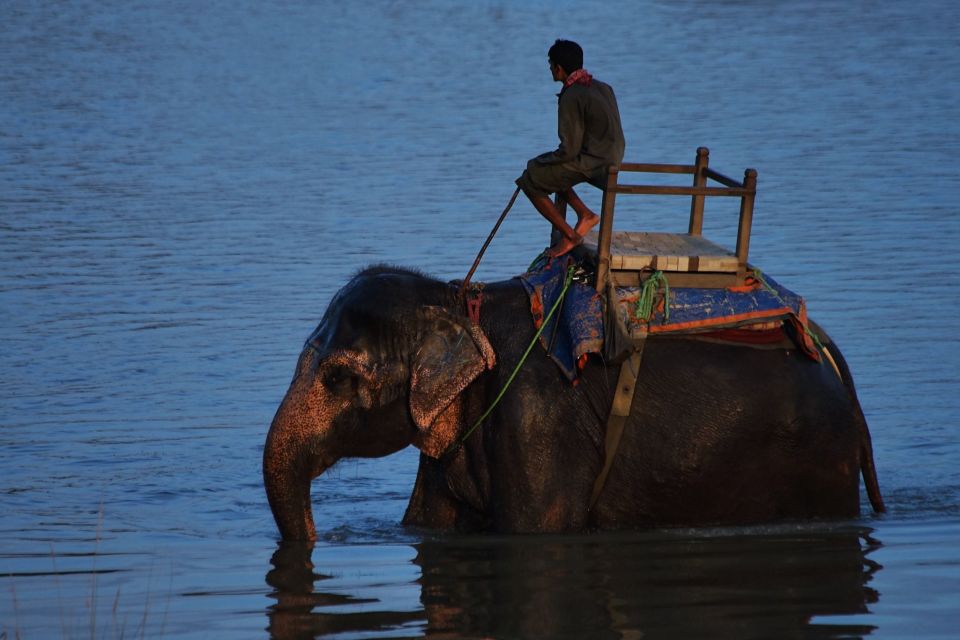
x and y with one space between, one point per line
184 186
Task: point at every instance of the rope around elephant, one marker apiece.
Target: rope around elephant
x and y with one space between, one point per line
566 285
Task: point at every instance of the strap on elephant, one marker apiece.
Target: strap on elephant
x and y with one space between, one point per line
620 343
619 412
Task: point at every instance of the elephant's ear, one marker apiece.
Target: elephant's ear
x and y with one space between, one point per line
453 352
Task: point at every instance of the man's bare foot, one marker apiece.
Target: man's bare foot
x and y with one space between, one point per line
564 246
585 223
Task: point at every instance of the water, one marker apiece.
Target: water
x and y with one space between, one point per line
183 188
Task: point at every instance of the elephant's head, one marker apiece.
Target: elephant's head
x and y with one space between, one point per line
384 369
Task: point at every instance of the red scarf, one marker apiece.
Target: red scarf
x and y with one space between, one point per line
580 76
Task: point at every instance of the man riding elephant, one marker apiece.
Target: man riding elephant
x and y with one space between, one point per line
591 139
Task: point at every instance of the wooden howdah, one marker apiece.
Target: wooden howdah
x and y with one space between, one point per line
626 258
687 261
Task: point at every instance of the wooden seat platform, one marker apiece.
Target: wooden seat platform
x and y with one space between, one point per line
627 258
686 260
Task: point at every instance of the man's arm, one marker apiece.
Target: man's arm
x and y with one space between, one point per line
569 130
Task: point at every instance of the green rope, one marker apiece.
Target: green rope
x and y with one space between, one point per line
766 285
648 297
516 370
536 260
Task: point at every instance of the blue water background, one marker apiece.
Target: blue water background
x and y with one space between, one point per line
184 186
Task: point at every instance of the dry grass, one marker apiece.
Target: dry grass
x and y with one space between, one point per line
116 628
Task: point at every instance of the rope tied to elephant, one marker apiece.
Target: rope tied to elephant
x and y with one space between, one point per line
566 286
646 304
810 334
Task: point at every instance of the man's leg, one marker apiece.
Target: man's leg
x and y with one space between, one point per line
540 180
548 210
586 219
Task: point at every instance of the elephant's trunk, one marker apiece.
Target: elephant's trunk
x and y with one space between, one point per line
288 468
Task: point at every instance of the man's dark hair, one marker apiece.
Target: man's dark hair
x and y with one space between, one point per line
567 54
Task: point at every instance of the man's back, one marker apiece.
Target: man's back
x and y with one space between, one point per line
593 110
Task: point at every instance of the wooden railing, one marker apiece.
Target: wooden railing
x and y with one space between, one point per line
702 173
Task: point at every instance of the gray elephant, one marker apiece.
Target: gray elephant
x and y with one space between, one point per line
719 434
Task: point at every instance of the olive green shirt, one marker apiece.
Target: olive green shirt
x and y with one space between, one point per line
588 124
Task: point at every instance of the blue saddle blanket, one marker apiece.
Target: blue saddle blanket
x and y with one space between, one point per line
577 325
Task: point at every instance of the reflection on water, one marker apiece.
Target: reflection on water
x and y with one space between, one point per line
679 585
304 609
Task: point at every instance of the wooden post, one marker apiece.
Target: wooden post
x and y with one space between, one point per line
746 220
561 204
699 180
606 228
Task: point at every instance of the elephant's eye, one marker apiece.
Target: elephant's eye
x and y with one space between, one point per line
340 379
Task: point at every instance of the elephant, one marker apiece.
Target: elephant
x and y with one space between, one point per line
718 433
